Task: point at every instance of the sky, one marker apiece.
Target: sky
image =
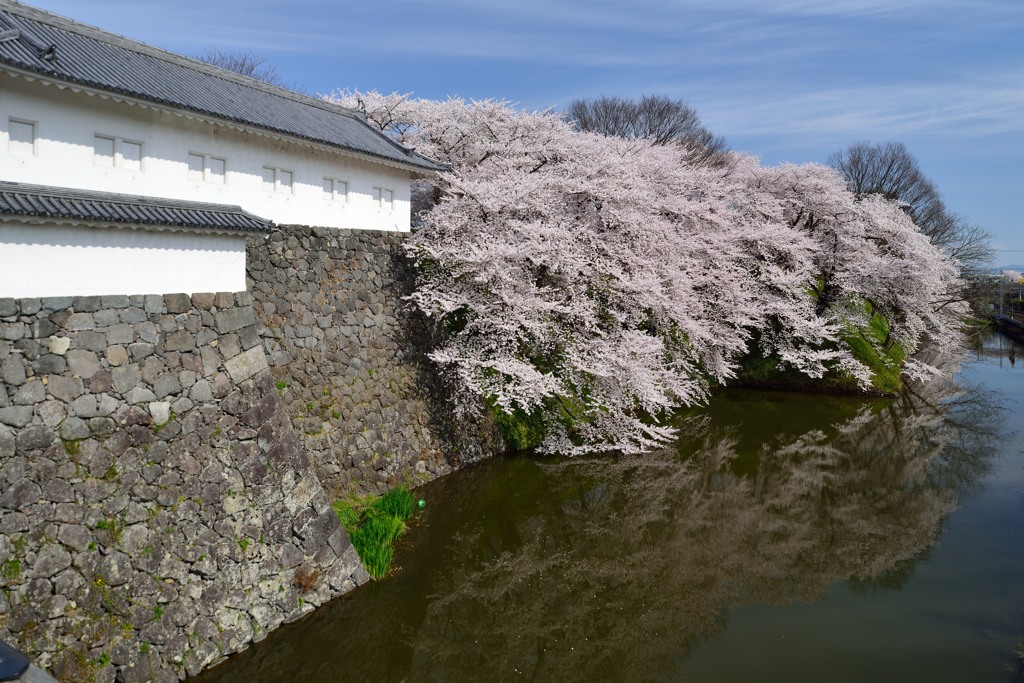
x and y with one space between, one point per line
786 80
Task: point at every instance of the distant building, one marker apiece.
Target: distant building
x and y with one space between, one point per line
127 169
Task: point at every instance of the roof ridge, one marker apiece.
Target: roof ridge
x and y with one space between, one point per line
80 193
9 190
118 40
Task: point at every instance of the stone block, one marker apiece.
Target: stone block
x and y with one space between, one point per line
52 413
117 355
203 300
50 560
148 331
133 315
166 384
229 346
102 426
177 303
35 437
115 301
83 363
179 341
49 364
59 345
75 536
126 377
74 428
101 382
66 389
234 319
12 331
201 391
141 350
56 303
221 385
30 393
120 334
116 569
91 341
6 443
12 370
246 364
106 317
43 328
160 412
87 304
8 308
137 395
80 321
15 416
154 303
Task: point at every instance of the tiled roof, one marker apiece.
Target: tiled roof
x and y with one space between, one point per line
20 199
37 41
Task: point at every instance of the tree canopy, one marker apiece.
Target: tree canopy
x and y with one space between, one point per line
591 284
245 63
657 118
890 170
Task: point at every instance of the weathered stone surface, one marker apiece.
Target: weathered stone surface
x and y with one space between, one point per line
116 569
246 364
233 319
30 393
179 341
126 378
74 428
21 494
12 370
52 559
160 411
177 303
117 355
59 345
66 389
48 364
80 321
35 436
16 416
83 363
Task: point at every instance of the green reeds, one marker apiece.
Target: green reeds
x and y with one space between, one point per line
374 524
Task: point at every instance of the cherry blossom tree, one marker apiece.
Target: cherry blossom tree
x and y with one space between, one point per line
595 283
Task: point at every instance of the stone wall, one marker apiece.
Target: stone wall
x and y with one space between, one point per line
349 359
158 511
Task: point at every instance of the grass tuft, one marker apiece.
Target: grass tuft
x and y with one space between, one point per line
374 524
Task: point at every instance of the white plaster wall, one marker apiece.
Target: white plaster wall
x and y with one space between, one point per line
66 123
63 260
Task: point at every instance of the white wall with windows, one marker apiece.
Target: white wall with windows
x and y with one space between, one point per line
50 135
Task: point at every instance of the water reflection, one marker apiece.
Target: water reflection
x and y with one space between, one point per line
614 568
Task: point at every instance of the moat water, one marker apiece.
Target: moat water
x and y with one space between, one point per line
784 537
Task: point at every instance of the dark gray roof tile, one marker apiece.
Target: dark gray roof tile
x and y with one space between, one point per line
20 199
91 57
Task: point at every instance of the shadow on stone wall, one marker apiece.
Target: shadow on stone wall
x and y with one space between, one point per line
349 358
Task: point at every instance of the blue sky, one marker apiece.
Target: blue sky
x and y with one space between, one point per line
787 80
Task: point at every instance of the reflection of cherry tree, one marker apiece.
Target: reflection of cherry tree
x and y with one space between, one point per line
622 565
614 568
